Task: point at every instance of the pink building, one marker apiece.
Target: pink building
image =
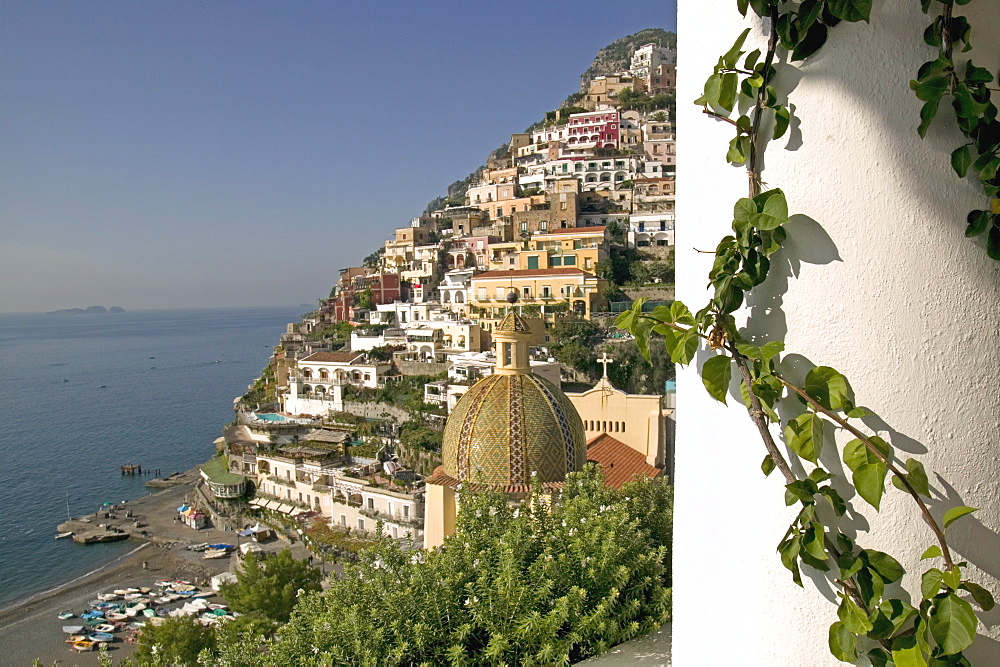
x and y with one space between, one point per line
594 129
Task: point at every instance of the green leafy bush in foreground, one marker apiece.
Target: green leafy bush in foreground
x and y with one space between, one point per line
532 584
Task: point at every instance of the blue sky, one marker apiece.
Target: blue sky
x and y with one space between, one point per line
182 154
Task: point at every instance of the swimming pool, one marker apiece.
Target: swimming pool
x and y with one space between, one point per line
272 417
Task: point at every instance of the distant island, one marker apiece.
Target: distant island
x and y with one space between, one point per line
93 310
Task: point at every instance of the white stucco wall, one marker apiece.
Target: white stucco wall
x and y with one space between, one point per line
888 291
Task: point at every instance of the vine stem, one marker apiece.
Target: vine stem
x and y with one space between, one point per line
760 420
843 423
772 44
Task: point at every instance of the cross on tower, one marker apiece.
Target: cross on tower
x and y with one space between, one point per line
605 360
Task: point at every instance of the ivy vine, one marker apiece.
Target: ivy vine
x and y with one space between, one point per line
876 619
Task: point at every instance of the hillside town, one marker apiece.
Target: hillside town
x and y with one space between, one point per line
344 429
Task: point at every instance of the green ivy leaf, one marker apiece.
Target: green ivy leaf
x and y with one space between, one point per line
715 375
812 42
829 388
767 465
852 617
836 501
982 596
885 565
789 550
733 54
781 119
976 75
856 454
679 314
869 480
713 86
858 413
683 352
932 552
953 624
961 159
956 513
843 643
916 476
804 434
727 92
735 153
930 583
906 653
743 209
931 89
978 222
770 350
927 113
850 10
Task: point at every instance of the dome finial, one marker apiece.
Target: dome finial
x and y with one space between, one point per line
512 297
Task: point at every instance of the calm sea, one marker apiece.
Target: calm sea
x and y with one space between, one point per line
81 395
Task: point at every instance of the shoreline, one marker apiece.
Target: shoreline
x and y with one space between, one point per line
32 598
29 626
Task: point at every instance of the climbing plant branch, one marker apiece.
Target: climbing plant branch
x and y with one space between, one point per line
933 625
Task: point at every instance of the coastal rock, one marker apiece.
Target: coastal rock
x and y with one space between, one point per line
91 310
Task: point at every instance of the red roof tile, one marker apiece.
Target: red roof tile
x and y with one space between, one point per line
619 462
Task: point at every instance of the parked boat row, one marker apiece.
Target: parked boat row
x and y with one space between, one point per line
125 611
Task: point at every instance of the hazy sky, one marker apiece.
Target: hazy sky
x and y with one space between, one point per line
192 154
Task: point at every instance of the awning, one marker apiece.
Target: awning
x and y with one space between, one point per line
296 511
183 508
284 509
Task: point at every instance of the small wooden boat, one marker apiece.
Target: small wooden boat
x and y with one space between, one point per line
148 613
66 614
82 646
68 533
72 629
136 625
115 616
212 554
91 622
101 637
144 590
105 597
76 638
104 628
162 611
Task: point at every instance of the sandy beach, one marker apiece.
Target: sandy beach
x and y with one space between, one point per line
30 629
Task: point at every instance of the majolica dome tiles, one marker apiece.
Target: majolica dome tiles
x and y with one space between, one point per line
508 426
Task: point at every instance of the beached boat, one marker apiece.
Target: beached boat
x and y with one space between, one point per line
72 629
162 611
115 616
66 614
136 625
148 613
106 597
213 554
104 628
83 646
101 637
76 638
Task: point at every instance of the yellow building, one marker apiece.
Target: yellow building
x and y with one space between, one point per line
641 422
510 427
541 292
582 247
400 251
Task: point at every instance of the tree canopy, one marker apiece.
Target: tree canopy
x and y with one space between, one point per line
537 583
270 585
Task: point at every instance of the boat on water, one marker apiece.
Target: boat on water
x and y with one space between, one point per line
68 533
66 614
